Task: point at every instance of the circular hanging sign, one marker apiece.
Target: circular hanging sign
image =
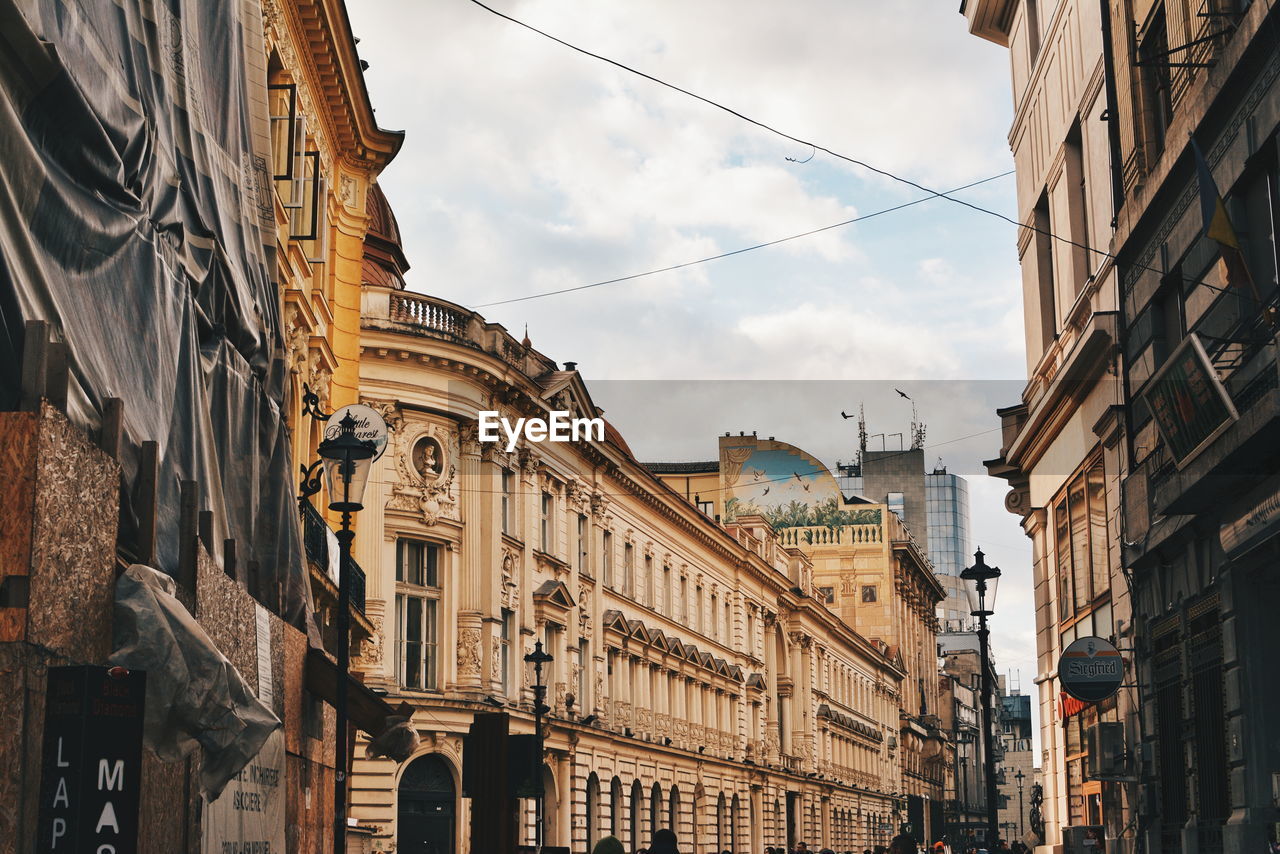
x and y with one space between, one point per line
369 426
1091 669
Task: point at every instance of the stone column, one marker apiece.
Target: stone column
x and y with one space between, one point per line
479 531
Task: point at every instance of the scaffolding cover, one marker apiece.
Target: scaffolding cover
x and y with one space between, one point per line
136 217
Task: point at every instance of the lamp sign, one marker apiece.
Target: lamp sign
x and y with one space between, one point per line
370 426
92 761
1091 669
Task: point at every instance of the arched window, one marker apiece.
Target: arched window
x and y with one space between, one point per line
673 810
655 809
615 808
637 816
593 810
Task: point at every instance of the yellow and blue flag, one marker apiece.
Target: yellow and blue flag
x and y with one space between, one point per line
1217 225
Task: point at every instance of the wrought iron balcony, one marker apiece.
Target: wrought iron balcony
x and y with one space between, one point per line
315 541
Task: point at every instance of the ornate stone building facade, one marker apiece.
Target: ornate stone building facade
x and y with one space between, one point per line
698 682
1062 449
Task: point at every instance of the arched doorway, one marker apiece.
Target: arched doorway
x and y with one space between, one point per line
425 810
673 810
550 808
735 844
721 824
615 808
637 816
655 809
593 811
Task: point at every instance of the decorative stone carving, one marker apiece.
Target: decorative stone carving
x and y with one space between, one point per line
425 469
644 720
599 503
576 493
469 439
495 659
371 649
468 652
296 336
347 191
510 593
318 377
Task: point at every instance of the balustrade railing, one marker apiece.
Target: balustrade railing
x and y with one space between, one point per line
427 313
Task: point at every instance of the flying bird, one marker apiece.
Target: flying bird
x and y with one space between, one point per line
847 416
766 491
902 393
806 487
797 476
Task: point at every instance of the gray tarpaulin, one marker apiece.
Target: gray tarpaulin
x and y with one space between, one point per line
194 694
136 218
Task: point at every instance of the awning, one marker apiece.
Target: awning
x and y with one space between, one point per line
365 709
1070 706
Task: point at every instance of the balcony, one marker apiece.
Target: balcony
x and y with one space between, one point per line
316 536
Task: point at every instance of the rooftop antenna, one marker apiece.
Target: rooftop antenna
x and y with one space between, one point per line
917 429
862 432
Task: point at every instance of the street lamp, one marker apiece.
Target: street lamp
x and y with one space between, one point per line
980 586
538 658
347 461
1020 777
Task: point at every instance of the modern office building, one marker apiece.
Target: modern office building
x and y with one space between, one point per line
933 504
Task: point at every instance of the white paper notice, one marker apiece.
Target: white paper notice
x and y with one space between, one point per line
248 817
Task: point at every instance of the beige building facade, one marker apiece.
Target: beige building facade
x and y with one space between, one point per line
1062 444
698 681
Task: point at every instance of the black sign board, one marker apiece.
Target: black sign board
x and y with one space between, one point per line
92 762
1091 669
1189 404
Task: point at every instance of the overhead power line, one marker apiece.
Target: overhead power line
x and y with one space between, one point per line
861 218
848 159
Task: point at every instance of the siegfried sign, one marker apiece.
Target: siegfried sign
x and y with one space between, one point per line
1091 669
1189 404
92 760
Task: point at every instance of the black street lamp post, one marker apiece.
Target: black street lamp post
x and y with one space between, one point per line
1020 777
980 584
347 461
538 658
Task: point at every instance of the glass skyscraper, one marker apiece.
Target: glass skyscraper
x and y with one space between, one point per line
946 499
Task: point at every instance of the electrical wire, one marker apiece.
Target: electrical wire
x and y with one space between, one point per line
861 218
801 141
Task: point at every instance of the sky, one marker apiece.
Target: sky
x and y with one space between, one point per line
528 167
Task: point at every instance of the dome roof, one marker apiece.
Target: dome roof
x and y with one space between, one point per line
384 261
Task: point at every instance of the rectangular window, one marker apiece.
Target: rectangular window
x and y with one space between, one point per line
697 615
715 615
416 628
417 563
1080 542
628 569
1042 222
544 522
584 666
684 599
606 560
584 542
508 620
1157 88
508 484
707 507
417 594
668 595
648 581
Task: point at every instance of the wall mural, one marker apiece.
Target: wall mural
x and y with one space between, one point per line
786 486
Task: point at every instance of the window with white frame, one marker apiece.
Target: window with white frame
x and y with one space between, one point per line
508 627
628 570
508 486
417 610
584 542
606 560
545 522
